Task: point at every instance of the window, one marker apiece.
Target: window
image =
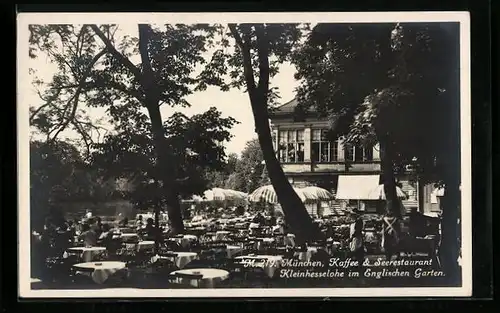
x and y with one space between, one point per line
323 150
358 154
291 146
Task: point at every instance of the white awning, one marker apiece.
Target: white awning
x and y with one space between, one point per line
357 187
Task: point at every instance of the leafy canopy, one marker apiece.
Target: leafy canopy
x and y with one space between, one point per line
393 82
96 68
197 145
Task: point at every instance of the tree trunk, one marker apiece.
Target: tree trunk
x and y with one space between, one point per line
449 250
167 171
393 206
295 212
174 212
420 192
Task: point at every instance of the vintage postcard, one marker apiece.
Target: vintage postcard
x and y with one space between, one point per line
244 154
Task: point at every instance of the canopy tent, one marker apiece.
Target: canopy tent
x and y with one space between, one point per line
357 187
379 193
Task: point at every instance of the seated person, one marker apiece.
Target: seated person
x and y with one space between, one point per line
259 219
150 231
139 223
124 222
106 239
88 236
106 233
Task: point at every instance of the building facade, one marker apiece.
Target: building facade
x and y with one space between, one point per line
309 157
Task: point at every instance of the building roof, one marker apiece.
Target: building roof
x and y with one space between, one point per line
287 108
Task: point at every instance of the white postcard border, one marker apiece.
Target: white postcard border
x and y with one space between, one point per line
24 19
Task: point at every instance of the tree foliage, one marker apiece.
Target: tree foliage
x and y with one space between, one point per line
58 174
98 70
385 80
397 84
250 172
258 50
197 145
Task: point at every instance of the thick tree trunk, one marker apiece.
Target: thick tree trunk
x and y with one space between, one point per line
295 212
165 166
392 202
167 171
174 212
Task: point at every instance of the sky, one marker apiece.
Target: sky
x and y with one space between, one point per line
234 103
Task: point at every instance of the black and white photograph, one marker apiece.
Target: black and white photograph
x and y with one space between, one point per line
244 154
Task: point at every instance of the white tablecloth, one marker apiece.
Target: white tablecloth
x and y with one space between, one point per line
145 245
128 236
277 229
182 259
221 235
88 254
101 271
335 244
290 240
186 240
273 262
211 276
306 255
264 241
232 250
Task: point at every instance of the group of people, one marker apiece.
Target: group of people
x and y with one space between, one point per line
58 234
391 233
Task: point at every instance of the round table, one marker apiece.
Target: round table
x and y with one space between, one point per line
88 253
290 240
232 250
306 255
186 240
128 235
180 260
127 230
183 258
221 234
145 245
100 271
211 276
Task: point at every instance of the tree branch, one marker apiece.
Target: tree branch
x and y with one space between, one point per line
109 84
40 108
76 96
120 57
87 139
247 59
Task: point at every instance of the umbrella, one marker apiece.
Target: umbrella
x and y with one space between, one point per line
220 194
379 193
215 194
319 193
236 195
267 194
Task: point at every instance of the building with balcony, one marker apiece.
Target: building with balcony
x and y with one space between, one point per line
309 157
